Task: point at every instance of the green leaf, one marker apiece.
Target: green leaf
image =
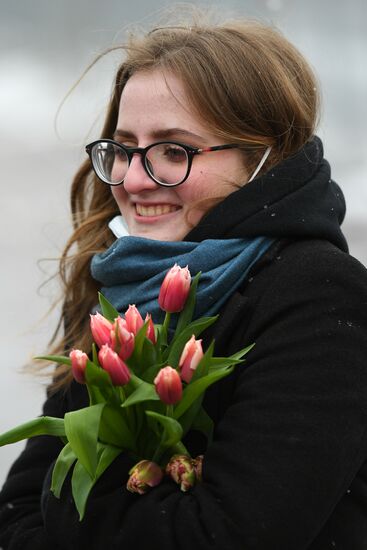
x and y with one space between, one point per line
189 416
143 392
177 345
241 353
107 456
135 360
62 466
96 376
151 372
204 424
55 359
95 354
99 385
203 367
82 428
187 419
108 310
115 430
235 359
172 433
186 314
81 485
45 425
196 388
81 481
160 336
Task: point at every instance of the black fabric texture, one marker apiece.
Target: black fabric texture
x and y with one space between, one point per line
287 468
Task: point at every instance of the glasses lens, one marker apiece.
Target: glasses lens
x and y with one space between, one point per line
167 163
110 162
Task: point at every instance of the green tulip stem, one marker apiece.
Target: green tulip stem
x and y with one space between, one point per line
180 449
166 321
121 393
169 411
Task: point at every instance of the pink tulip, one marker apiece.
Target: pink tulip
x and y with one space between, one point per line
168 385
116 368
181 469
175 289
122 340
150 331
143 475
101 329
78 364
134 320
190 358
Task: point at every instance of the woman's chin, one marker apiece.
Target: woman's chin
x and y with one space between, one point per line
159 232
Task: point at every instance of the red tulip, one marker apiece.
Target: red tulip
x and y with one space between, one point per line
168 385
101 329
150 330
78 364
190 358
175 289
122 340
143 475
134 320
116 368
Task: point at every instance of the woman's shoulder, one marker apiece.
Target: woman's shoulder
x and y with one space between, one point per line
308 265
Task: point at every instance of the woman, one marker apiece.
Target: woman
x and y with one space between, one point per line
261 218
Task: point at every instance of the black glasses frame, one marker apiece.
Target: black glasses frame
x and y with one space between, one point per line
130 151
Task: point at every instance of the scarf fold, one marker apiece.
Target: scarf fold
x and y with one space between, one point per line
132 269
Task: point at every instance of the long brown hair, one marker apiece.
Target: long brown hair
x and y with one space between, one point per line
249 85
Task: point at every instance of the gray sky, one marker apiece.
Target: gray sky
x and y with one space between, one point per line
44 48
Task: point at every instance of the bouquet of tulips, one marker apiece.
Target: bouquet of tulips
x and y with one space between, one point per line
146 386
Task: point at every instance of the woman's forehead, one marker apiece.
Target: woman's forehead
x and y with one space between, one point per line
156 102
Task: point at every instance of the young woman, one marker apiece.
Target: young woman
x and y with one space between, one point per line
208 157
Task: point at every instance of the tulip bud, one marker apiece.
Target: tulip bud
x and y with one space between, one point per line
168 385
143 475
116 368
181 469
78 364
150 330
122 340
134 320
101 329
190 358
175 289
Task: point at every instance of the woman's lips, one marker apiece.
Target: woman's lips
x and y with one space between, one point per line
151 210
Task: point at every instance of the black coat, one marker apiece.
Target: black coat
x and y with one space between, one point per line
287 469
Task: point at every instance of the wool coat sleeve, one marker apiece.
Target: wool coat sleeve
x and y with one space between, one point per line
21 522
291 437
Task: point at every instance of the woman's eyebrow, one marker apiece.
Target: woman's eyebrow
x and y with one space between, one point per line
161 134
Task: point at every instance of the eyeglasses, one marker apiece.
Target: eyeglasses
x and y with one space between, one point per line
168 163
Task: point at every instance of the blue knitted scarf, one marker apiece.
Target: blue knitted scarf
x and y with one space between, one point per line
132 269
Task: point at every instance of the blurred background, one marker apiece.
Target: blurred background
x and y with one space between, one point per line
44 49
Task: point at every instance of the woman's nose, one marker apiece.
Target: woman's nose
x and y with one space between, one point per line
137 179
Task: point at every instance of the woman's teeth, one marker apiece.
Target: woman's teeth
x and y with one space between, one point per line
155 210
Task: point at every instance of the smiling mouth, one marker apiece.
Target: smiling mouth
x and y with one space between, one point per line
155 210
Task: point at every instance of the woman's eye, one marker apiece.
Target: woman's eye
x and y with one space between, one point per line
175 154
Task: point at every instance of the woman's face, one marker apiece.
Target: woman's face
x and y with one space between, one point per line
151 111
